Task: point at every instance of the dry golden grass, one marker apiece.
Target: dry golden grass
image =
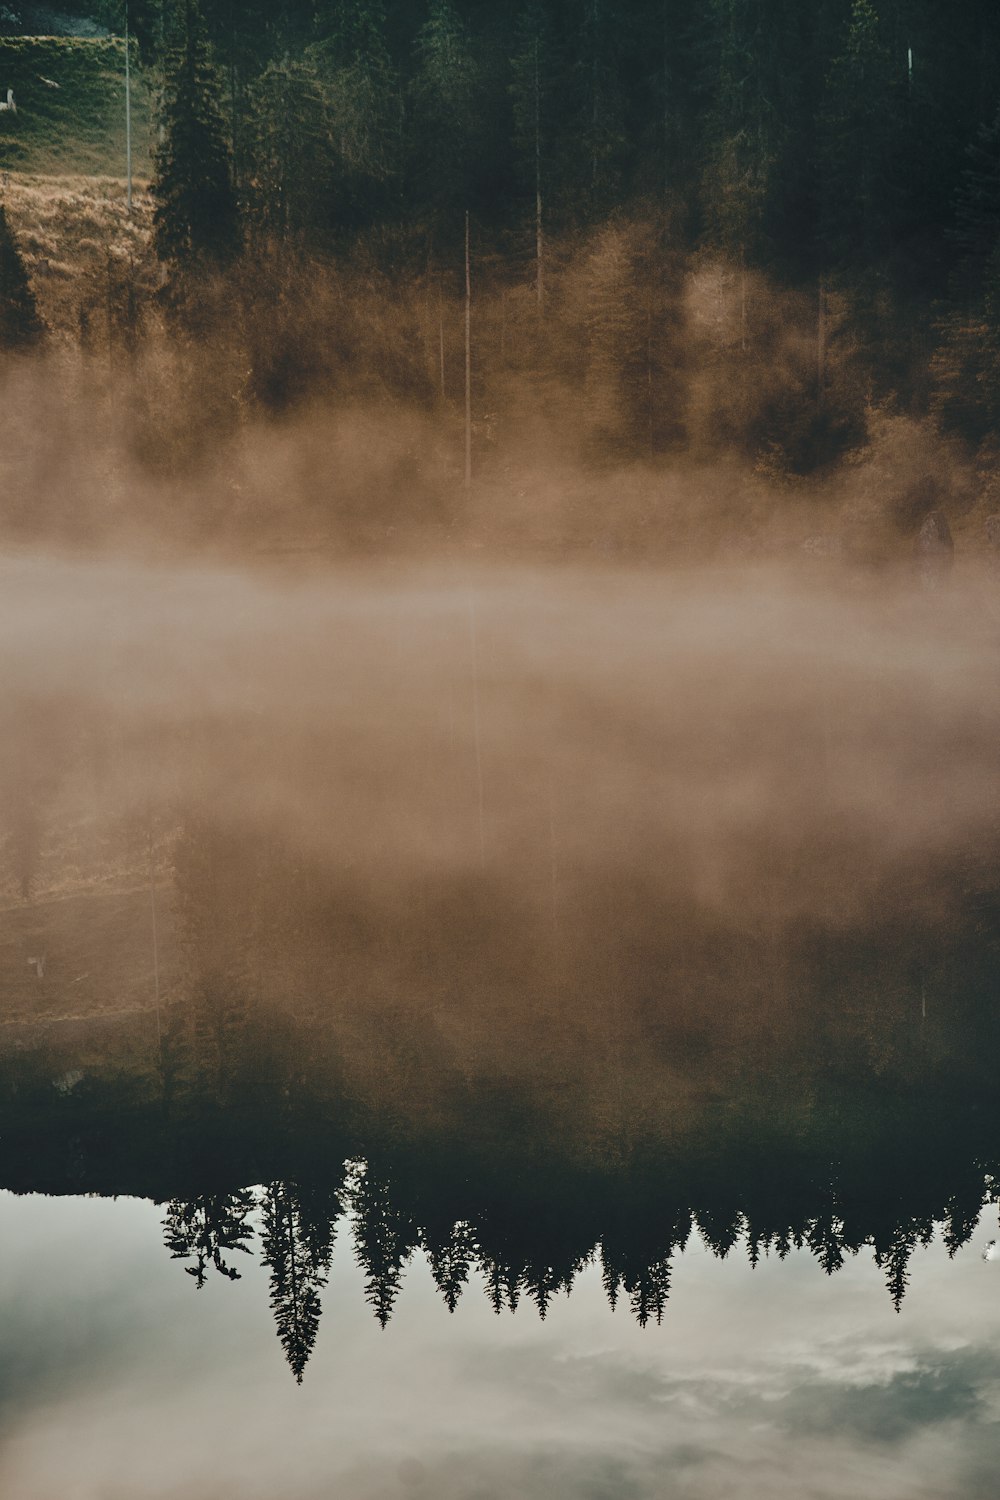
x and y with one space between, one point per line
70 228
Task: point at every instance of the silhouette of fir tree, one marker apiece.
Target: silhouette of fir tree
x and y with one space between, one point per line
963 1213
636 1256
894 1253
451 1256
977 209
384 1239
502 1284
196 224
720 1226
542 1281
297 1244
206 1229
826 1241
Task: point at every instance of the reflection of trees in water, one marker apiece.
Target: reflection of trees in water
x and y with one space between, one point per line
516 1110
297 1239
207 1229
528 1242
385 1239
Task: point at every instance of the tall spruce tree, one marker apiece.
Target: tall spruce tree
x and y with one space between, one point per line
291 153
384 1239
446 107
741 130
297 1249
599 103
860 130
966 366
20 325
532 91
353 59
977 210
196 218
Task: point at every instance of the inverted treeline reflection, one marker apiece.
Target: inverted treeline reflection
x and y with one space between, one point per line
574 913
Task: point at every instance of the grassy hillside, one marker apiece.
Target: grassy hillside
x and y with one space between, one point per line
68 228
93 954
78 125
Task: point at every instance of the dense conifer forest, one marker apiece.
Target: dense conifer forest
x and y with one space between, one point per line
746 231
529 919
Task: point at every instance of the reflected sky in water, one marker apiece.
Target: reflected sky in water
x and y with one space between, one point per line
122 1379
604 917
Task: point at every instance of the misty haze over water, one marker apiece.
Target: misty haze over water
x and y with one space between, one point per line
499 822
462 933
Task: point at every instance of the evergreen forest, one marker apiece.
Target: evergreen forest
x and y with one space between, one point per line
742 232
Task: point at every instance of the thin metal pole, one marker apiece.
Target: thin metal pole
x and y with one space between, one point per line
155 936
539 251
128 116
821 344
468 360
441 342
476 730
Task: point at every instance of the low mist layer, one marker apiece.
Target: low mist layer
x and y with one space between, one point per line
765 746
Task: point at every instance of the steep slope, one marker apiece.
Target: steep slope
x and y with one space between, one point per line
70 107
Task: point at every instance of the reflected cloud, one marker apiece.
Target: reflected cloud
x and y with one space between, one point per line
594 1408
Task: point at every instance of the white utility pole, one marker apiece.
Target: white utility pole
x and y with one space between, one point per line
128 116
539 283
468 360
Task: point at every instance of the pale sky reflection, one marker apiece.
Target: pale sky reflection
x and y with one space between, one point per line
120 1381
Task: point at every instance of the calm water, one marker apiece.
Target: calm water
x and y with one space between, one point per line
121 1378
538 1045
368 1273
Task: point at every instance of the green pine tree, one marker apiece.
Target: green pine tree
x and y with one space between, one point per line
532 91
741 132
292 157
861 133
447 114
600 113
966 364
196 218
20 325
364 102
977 211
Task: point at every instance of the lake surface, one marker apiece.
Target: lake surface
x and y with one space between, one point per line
477 1288
123 1378
512 1042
